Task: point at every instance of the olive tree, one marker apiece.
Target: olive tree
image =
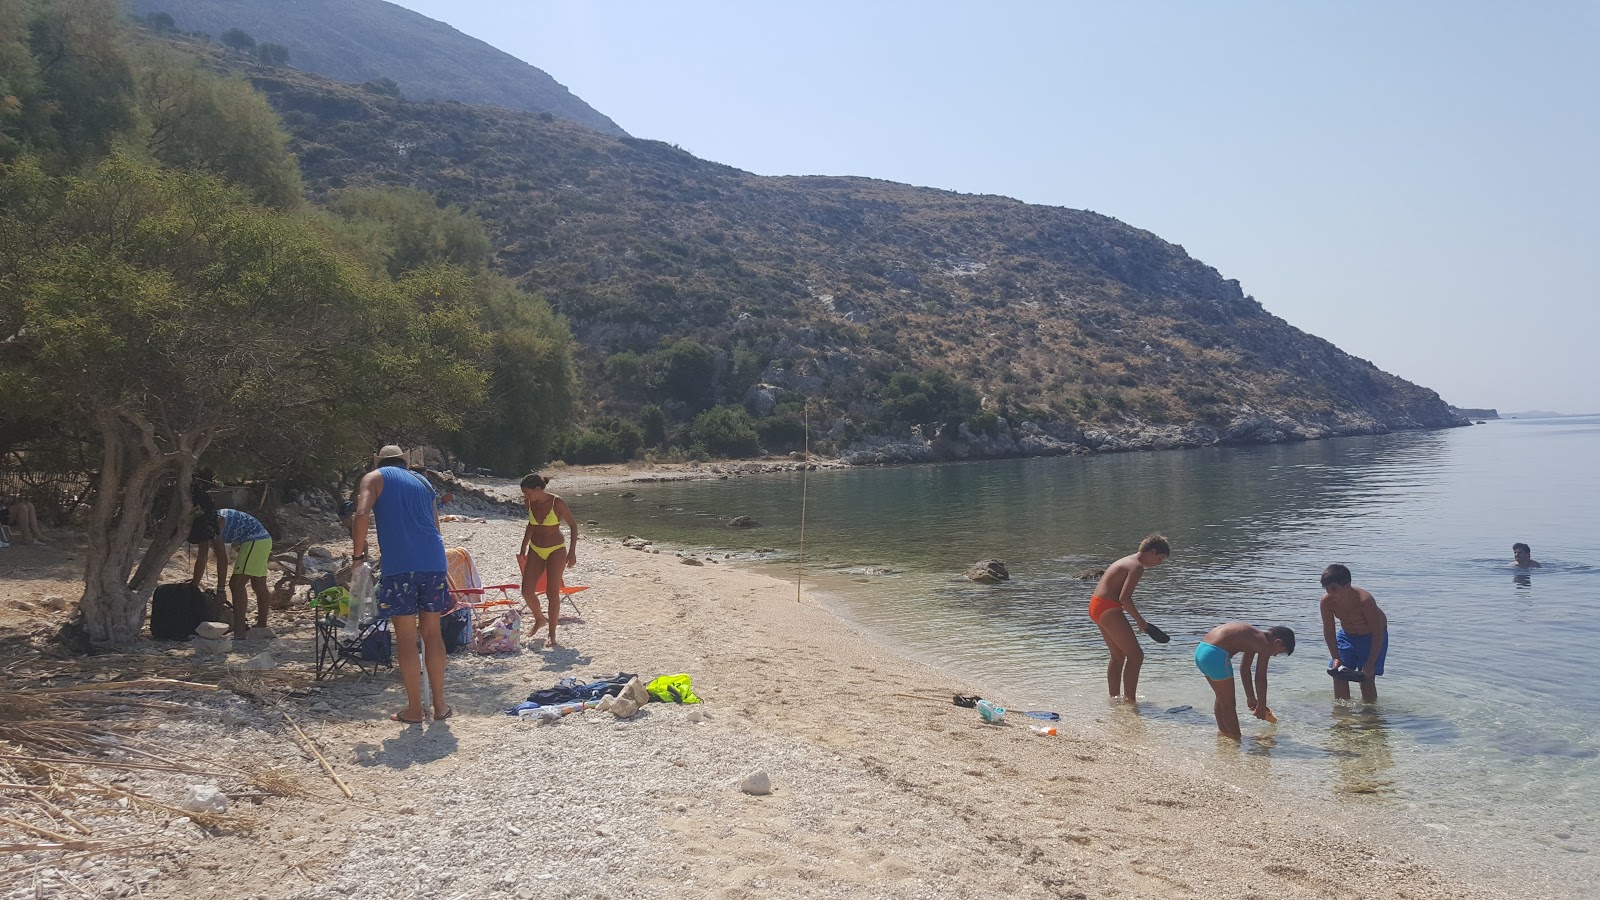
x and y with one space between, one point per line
165 312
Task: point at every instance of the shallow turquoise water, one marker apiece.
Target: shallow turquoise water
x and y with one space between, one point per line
1486 730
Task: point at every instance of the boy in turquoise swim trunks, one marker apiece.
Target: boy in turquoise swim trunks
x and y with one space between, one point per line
1214 658
1361 642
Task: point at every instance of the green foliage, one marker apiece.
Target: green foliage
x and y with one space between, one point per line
407 229
159 22
194 119
653 424
607 440
931 395
272 54
781 433
626 372
688 375
238 39
744 371
164 294
727 431
65 82
384 86
533 384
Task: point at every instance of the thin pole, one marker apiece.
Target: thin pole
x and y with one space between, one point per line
804 484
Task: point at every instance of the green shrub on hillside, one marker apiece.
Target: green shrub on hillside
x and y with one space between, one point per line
727 431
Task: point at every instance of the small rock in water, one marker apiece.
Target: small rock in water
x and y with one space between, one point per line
989 571
205 798
742 522
757 783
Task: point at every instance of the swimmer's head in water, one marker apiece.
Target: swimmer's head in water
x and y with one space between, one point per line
1154 550
1336 575
1282 638
1520 550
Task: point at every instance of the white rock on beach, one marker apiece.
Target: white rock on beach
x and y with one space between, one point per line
757 783
212 645
205 798
260 662
624 708
211 629
636 692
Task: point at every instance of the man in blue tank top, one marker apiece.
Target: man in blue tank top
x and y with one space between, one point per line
413 591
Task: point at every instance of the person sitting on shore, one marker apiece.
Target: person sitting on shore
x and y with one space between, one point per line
1110 607
1522 557
23 520
1214 658
1361 642
543 552
215 532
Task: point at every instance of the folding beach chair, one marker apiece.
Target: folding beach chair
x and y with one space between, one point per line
567 590
469 592
371 649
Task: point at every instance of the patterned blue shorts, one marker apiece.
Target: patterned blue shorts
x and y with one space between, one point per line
409 593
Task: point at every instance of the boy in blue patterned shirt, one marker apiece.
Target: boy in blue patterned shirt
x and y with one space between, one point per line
215 532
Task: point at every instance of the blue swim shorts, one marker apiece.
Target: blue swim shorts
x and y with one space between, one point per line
1213 662
409 593
1354 649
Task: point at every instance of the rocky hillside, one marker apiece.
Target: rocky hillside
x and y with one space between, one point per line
918 323
369 40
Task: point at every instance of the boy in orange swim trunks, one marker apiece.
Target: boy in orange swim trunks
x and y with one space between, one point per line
1113 597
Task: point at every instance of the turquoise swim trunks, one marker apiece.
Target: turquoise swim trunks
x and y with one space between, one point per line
1213 662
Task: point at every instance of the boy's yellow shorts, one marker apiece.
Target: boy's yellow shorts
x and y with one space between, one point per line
251 559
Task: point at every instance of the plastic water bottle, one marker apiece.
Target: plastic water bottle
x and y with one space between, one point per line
1043 730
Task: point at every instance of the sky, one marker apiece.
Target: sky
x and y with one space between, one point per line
1417 182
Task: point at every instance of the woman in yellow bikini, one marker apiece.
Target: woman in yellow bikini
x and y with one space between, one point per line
546 556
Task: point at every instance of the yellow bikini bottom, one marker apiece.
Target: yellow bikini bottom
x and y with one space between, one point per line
544 552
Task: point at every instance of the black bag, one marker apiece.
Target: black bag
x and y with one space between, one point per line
176 610
456 629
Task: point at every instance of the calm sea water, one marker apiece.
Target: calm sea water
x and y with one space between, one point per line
1486 739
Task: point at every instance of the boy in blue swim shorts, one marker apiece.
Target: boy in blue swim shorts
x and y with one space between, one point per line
1214 658
1360 643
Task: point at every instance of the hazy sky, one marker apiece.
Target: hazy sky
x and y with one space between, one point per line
1418 183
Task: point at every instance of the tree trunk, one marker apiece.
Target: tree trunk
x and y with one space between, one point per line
133 466
169 532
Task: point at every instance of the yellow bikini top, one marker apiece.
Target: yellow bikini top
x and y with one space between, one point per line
550 518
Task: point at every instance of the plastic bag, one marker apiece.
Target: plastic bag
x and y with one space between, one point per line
363 602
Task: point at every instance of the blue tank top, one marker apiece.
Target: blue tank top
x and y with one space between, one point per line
406 533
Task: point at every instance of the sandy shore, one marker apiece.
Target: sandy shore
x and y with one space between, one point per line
883 788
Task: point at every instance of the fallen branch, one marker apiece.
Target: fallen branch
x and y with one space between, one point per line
326 766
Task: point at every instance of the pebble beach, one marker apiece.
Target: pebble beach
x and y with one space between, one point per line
881 786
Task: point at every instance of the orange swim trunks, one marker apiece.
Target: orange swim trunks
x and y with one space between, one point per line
1098 607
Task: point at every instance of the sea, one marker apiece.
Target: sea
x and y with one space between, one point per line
1484 745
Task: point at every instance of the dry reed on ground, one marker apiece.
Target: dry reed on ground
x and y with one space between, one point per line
54 738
